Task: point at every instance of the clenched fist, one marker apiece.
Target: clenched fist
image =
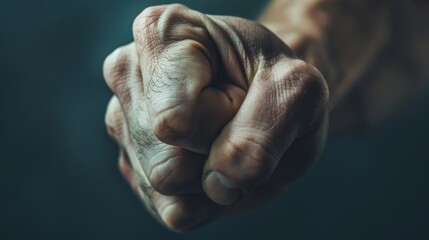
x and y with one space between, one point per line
213 114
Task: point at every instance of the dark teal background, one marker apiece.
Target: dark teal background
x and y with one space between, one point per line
58 168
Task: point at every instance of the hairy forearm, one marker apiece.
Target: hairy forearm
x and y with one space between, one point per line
350 42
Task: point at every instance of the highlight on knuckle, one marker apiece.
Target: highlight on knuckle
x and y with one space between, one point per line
114 120
151 16
148 16
143 22
158 20
116 69
174 14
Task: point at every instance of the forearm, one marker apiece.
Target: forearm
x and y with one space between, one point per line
373 54
341 38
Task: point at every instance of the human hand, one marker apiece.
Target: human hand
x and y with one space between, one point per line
211 109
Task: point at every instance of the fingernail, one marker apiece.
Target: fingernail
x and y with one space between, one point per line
220 189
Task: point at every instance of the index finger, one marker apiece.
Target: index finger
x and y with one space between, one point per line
188 101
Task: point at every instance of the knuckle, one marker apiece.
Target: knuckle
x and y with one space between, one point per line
254 159
126 169
114 120
307 82
173 14
173 9
180 217
172 171
159 179
172 125
174 221
164 130
312 95
152 11
157 19
116 69
147 16
302 88
143 22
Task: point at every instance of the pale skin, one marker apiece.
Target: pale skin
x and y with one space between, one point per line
215 115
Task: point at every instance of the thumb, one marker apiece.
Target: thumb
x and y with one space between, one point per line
284 102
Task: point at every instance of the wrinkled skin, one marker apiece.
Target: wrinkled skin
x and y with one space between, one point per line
213 114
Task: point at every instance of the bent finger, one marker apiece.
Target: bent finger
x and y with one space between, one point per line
179 213
170 170
284 102
189 101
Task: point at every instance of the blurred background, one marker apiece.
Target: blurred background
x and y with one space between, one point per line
58 168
